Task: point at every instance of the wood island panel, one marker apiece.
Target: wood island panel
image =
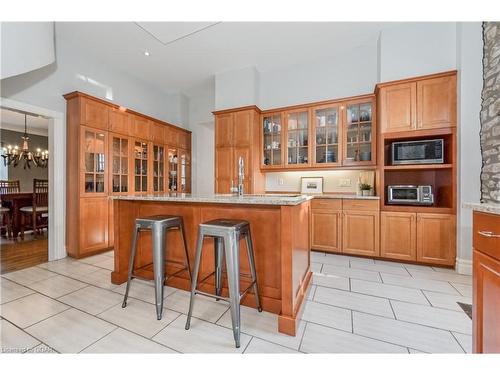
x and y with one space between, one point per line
281 244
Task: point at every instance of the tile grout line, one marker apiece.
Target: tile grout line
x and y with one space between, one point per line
246 347
302 337
99 339
393 312
458 342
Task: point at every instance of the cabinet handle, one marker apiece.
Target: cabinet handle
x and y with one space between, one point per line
489 234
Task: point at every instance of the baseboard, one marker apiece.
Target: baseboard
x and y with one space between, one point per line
463 266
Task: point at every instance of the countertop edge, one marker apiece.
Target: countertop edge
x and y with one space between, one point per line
221 200
491 208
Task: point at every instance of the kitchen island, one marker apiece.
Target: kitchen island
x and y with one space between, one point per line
280 233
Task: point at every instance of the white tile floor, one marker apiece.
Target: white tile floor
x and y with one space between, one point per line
355 305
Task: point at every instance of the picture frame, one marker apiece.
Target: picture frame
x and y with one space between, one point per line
311 185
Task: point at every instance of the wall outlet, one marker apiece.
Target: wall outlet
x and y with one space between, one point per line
280 181
345 182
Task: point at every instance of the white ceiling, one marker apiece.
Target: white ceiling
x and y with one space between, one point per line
12 120
185 54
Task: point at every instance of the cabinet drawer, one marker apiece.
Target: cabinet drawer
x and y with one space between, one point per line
486 234
327 204
361 204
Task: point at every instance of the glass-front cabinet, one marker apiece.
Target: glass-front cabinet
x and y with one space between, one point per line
184 172
172 169
120 164
359 136
272 139
158 168
327 140
94 156
297 138
141 157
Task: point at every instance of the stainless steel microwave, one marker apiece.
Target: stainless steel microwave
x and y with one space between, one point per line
418 152
410 194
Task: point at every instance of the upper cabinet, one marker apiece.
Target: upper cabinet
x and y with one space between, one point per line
119 121
140 127
94 114
359 133
297 138
418 104
326 122
271 140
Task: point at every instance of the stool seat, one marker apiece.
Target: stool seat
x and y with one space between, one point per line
226 223
145 222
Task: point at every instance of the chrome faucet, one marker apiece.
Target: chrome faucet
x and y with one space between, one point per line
241 175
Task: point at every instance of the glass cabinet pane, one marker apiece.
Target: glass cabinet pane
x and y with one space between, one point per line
120 160
141 166
297 138
327 135
172 169
359 133
272 139
94 149
158 164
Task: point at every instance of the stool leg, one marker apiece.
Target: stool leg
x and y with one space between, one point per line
183 234
194 280
131 264
158 234
253 271
219 258
231 250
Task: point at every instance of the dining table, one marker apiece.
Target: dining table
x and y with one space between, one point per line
15 201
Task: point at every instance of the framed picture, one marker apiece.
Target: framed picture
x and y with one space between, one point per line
311 185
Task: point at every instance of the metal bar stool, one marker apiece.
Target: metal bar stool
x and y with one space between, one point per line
158 225
226 234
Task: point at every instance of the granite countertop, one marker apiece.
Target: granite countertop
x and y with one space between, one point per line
257 199
492 208
344 196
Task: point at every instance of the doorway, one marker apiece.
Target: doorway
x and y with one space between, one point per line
46 243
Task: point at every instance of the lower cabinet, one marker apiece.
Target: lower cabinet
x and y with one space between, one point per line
436 238
94 224
360 234
398 235
326 229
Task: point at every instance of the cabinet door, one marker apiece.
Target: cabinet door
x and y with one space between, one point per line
242 128
184 171
271 141
93 162
140 128
158 168
94 225
184 140
326 136
437 102
245 154
94 114
436 238
326 230
224 130
119 121
398 235
224 170
141 166
157 133
486 304
297 138
359 134
360 233
171 137
398 107
120 151
173 163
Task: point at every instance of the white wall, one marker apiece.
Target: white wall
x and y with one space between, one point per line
416 49
74 71
236 88
346 74
470 82
25 46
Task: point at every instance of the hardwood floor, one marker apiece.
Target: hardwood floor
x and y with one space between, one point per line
16 255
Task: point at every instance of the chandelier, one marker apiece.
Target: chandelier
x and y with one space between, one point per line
12 155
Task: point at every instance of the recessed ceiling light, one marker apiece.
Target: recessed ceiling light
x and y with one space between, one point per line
146 53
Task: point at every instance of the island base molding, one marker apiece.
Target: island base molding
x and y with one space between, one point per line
281 249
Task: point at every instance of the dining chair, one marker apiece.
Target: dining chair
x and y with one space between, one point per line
39 207
7 187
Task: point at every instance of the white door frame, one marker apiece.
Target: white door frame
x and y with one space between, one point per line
57 174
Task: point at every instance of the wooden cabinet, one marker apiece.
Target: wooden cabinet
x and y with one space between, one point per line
486 283
360 232
398 105
359 133
398 235
436 238
236 135
113 151
272 139
326 225
418 104
326 135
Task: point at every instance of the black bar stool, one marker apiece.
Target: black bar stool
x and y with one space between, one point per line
226 234
158 225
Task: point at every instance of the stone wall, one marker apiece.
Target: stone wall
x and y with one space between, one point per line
490 114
